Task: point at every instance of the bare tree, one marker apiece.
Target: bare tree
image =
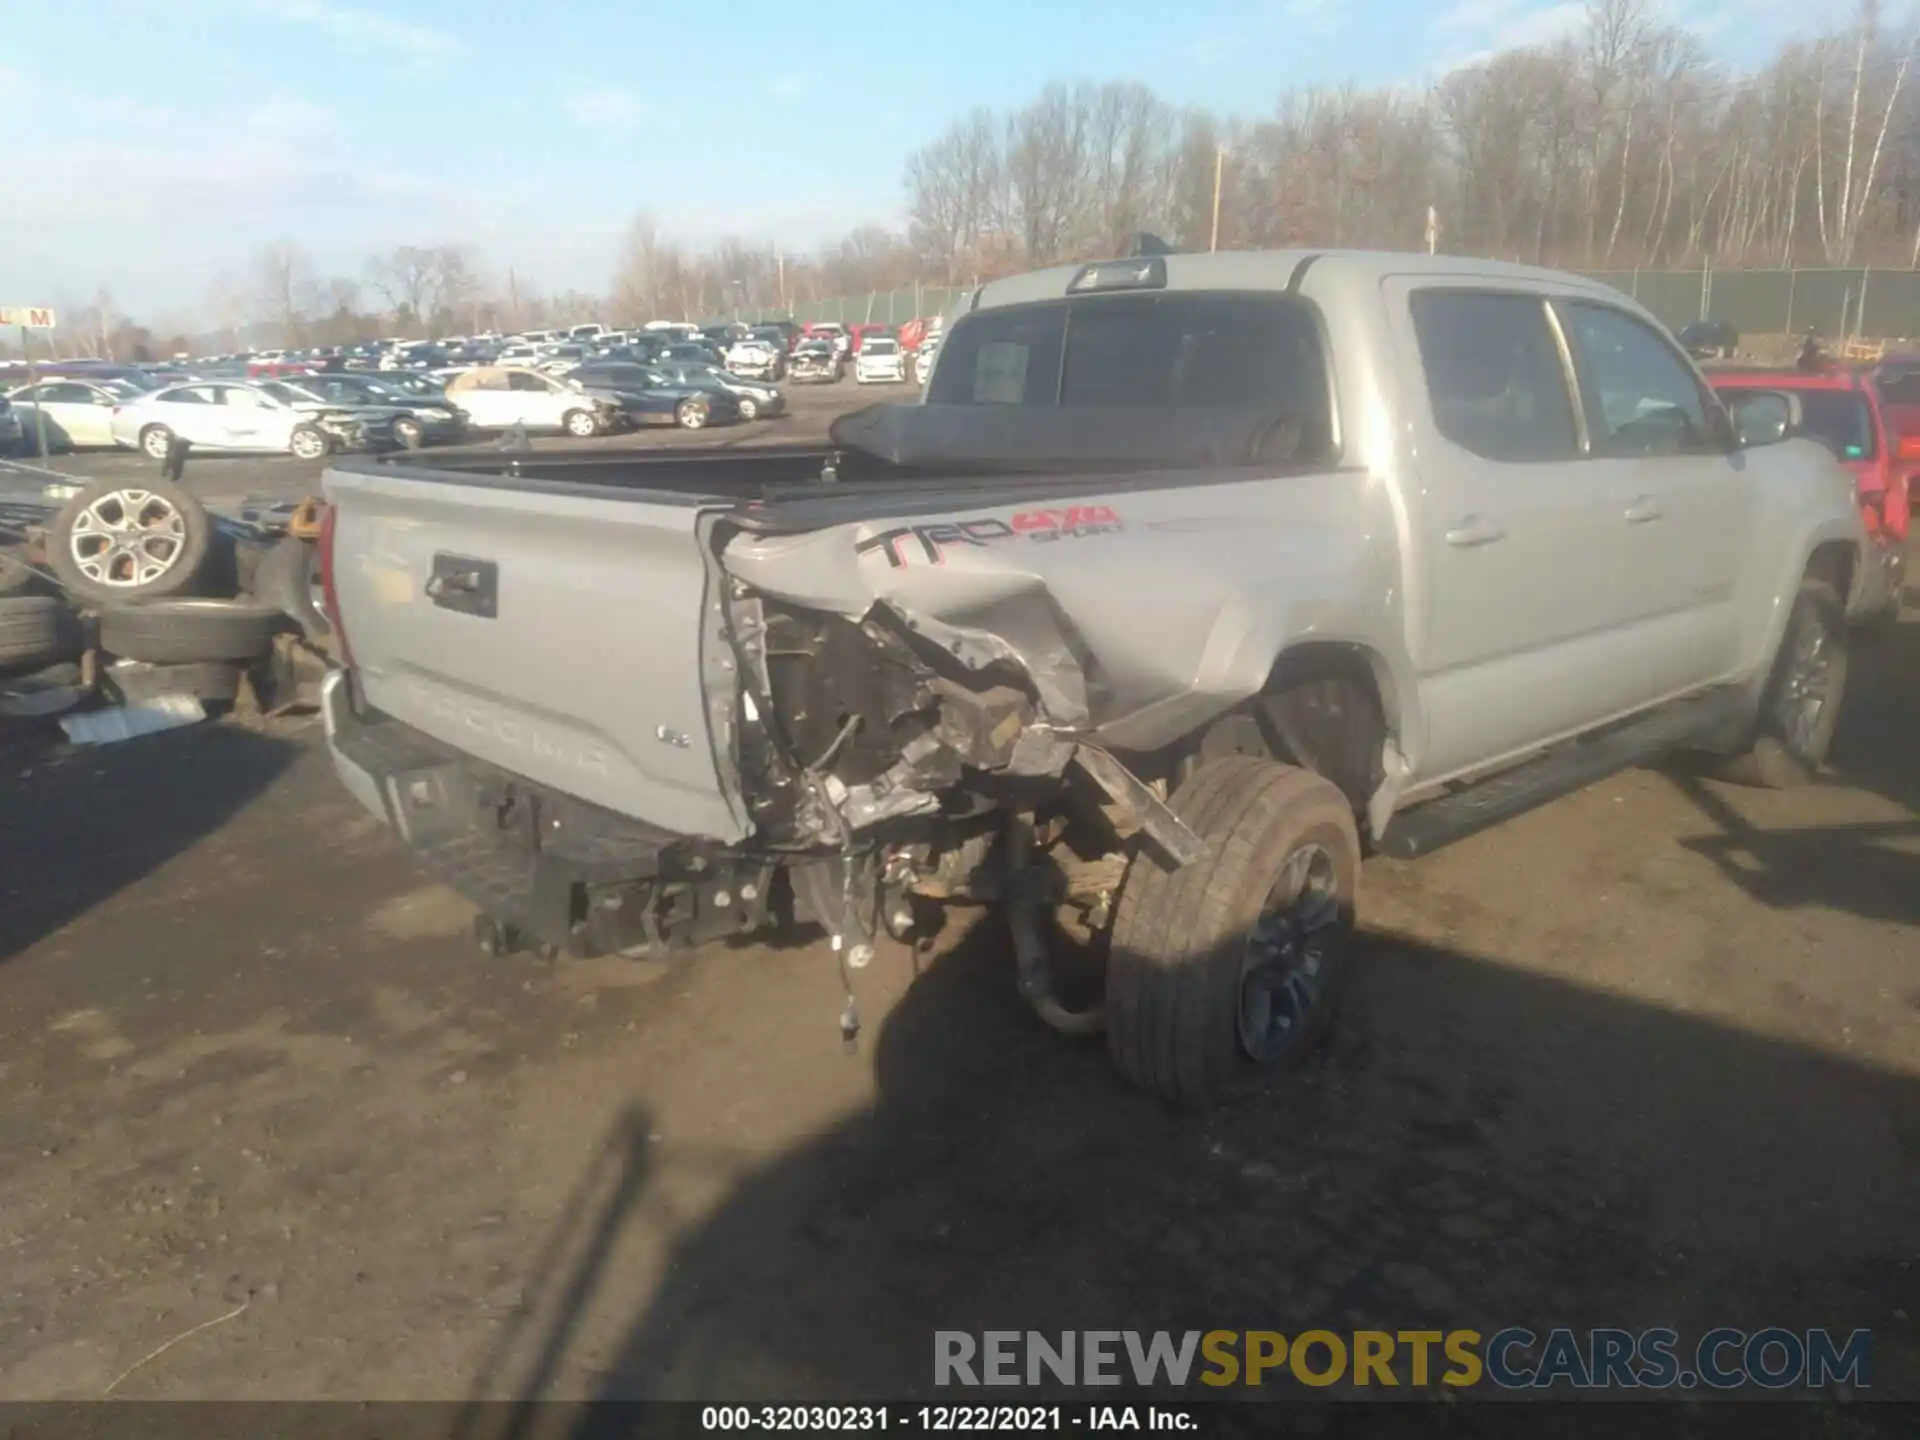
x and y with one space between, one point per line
284 289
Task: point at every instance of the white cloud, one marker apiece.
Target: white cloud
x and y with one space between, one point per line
606 109
1477 30
362 30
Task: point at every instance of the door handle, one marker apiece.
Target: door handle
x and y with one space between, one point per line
1475 530
1643 509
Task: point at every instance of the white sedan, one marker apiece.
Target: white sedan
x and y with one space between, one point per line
79 413
880 360
218 415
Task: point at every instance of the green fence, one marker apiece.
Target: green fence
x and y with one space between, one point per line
884 307
1879 304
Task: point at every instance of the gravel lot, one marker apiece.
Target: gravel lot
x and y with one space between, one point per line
1650 1055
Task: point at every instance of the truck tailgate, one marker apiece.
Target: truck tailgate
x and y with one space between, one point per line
565 637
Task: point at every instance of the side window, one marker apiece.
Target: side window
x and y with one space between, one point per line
66 394
1899 387
522 380
1640 397
1494 374
238 397
190 395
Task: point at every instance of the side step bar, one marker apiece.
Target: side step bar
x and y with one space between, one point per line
1573 766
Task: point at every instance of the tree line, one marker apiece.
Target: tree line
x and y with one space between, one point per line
1621 144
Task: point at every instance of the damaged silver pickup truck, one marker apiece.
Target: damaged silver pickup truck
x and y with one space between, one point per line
1190 578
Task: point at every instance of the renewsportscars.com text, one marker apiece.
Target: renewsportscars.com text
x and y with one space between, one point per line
1514 1358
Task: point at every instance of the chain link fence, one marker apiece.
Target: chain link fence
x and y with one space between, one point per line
1875 304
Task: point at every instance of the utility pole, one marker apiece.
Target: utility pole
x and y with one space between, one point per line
513 300
1433 229
780 264
1219 170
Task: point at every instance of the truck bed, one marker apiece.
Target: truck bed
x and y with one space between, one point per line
566 617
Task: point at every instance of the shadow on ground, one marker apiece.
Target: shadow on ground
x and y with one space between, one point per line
78 826
1479 1147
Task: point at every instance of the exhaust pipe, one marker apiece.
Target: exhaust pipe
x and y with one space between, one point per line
1027 921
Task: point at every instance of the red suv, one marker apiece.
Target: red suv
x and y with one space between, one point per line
1842 409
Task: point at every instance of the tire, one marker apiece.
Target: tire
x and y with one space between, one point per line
155 441
120 540
217 681
308 442
749 408
407 434
1789 744
690 415
1183 1020
580 424
36 631
184 632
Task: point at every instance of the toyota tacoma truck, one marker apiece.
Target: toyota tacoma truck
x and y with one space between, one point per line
1188 580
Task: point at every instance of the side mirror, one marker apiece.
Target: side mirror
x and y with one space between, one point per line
1764 417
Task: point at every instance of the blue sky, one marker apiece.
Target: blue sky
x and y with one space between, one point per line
153 143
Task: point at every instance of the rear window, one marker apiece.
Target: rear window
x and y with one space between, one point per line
1179 351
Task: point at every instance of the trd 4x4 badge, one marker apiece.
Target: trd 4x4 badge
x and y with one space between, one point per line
1072 522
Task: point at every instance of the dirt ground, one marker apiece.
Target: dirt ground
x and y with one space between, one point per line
1650 1055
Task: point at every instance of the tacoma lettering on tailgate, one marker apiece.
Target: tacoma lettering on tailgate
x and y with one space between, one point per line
1072 522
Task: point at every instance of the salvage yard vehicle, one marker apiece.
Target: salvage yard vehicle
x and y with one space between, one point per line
815 362
1842 409
645 395
78 414
411 420
1188 573
231 415
758 356
753 399
500 397
879 360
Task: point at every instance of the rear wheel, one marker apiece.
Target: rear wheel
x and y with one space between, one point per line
1227 971
749 408
690 414
1800 707
155 441
407 433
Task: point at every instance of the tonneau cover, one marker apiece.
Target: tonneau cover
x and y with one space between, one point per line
940 437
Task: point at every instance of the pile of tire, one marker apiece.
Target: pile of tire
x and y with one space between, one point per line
138 581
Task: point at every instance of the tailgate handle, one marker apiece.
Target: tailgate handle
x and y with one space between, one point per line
465 585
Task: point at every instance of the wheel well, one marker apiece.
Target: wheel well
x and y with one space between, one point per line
1833 562
1322 708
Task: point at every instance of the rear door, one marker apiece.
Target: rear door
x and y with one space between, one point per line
585 653
537 401
195 413
1524 581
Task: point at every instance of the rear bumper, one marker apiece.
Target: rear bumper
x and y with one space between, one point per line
555 869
